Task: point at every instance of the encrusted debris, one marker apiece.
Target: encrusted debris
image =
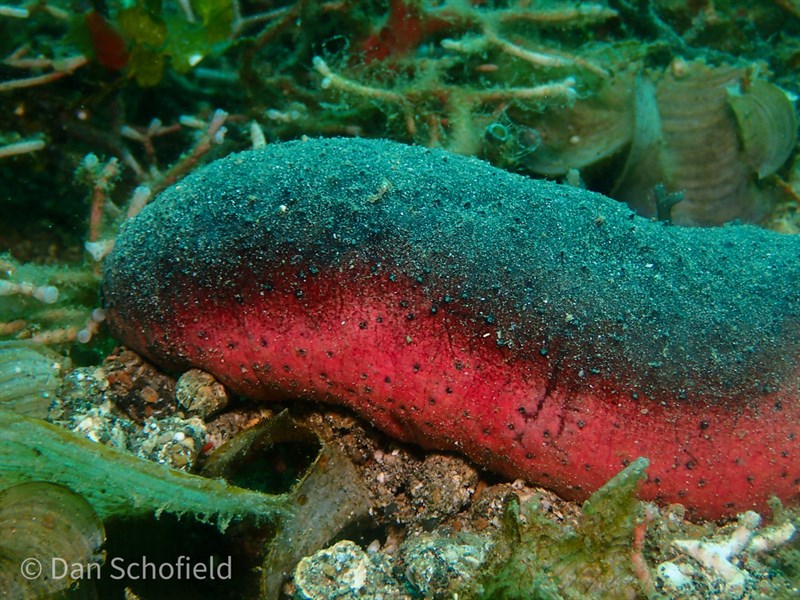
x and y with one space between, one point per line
439 566
345 571
720 562
129 405
198 393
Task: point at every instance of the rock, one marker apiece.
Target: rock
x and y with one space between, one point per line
345 571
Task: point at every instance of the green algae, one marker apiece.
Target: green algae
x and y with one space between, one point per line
162 38
550 561
117 484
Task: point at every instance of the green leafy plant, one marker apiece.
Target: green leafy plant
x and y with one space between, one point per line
160 36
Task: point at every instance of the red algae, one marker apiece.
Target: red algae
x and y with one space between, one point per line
109 46
545 332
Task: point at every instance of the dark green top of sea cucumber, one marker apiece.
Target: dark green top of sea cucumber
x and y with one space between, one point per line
557 271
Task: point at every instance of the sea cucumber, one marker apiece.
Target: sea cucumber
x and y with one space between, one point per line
546 332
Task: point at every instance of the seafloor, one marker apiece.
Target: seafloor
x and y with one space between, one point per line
683 110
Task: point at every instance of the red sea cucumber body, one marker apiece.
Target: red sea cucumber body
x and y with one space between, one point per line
545 332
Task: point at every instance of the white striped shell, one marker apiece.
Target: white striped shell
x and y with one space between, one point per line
49 537
30 374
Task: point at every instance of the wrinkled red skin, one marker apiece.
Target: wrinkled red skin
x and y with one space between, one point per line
421 378
544 331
